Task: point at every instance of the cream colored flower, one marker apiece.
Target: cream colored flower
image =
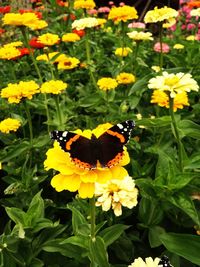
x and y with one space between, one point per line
178 46
195 12
85 23
140 36
149 262
115 194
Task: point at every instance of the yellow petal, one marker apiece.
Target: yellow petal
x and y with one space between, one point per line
125 159
86 190
89 177
66 182
103 175
118 172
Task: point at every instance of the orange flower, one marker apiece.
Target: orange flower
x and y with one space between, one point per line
193 4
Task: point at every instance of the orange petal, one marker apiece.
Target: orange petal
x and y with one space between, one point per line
86 190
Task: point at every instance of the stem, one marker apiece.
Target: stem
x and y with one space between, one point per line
58 111
87 48
161 45
144 10
24 33
47 111
92 218
135 55
29 122
176 132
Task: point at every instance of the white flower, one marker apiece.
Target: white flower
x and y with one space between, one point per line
149 262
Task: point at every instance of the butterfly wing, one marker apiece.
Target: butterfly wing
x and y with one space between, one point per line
164 262
112 141
79 148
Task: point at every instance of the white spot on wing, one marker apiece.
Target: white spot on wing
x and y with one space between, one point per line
120 126
65 134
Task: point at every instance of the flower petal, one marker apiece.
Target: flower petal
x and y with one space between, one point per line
86 190
66 182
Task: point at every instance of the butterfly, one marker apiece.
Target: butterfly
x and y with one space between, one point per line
164 262
105 151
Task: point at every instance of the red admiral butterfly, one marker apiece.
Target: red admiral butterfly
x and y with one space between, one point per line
164 262
105 151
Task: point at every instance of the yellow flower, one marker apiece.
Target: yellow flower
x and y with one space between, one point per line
123 51
164 14
8 125
148 262
47 57
13 44
14 92
140 36
123 13
107 83
38 25
68 63
81 24
53 87
87 4
116 193
70 37
173 83
17 19
48 39
162 99
9 52
125 78
178 46
156 68
73 178
191 38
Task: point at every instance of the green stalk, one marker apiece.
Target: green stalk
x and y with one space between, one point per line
161 45
58 111
24 34
92 218
135 55
176 133
88 56
28 115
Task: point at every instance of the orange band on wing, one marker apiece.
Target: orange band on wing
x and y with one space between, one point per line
120 136
71 140
116 160
81 164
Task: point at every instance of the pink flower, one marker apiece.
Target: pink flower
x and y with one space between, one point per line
183 27
111 3
191 26
92 11
157 47
173 27
121 4
138 25
104 9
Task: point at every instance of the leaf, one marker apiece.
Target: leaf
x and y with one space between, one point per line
189 128
15 151
156 122
112 233
98 251
154 234
36 209
186 204
16 215
185 245
140 85
80 241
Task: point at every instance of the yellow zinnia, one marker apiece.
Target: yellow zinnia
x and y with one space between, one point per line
70 37
86 4
123 51
125 78
122 13
53 87
8 125
9 52
68 63
178 46
48 39
16 19
107 83
73 178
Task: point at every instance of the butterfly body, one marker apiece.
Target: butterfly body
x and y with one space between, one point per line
104 151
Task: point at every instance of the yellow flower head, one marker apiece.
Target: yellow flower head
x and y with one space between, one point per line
87 4
125 78
164 14
115 194
68 63
53 87
15 92
107 83
13 44
123 51
8 125
122 13
81 24
191 38
178 46
48 39
140 36
48 57
9 52
70 37
17 19
38 25
148 262
162 99
173 83
156 68
73 178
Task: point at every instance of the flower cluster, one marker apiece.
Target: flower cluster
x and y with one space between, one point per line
15 92
116 193
71 177
8 125
122 13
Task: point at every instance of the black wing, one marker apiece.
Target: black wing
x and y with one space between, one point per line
164 262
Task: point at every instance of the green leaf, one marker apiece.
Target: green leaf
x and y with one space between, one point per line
98 251
36 209
16 215
154 233
157 122
185 203
80 241
185 245
112 233
15 151
189 128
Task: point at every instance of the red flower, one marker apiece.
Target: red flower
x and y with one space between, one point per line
71 16
2 31
35 43
62 3
5 9
23 51
38 14
80 33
